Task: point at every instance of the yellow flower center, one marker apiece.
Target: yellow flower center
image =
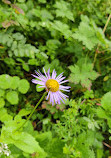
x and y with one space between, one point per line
52 85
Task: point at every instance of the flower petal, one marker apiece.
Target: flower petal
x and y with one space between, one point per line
59 76
53 74
48 73
45 73
48 96
63 81
38 82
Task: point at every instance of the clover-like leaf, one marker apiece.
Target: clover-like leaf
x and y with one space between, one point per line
12 97
5 81
23 86
15 82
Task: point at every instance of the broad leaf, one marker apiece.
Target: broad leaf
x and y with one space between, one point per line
83 75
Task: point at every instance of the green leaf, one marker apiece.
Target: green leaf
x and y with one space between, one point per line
15 81
39 89
28 144
55 148
99 153
9 61
44 138
22 140
2 92
2 102
46 15
83 75
5 81
101 113
53 44
12 97
43 14
86 34
23 86
63 8
24 112
4 116
25 67
63 28
106 101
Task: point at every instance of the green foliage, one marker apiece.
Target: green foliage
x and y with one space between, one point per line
38 88
89 34
2 102
86 34
71 37
10 88
23 86
22 140
62 8
83 74
105 111
78 143
12 97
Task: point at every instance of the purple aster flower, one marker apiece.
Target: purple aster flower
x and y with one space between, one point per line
53 85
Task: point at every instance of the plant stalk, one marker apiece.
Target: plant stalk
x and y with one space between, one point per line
33 110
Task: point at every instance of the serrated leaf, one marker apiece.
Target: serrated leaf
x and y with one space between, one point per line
63 8
12 97
63 28
23 86
45 15
101 113
83 75
87 35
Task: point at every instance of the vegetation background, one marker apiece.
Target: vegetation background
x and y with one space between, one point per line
70 36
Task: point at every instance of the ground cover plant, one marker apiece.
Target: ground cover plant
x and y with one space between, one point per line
54 118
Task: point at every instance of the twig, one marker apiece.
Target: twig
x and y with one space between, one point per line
104 29
106 23
107 145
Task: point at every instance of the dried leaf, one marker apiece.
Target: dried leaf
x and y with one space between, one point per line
6 1
7 23
17 9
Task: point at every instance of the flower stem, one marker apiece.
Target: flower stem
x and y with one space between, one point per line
33 111
104 29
